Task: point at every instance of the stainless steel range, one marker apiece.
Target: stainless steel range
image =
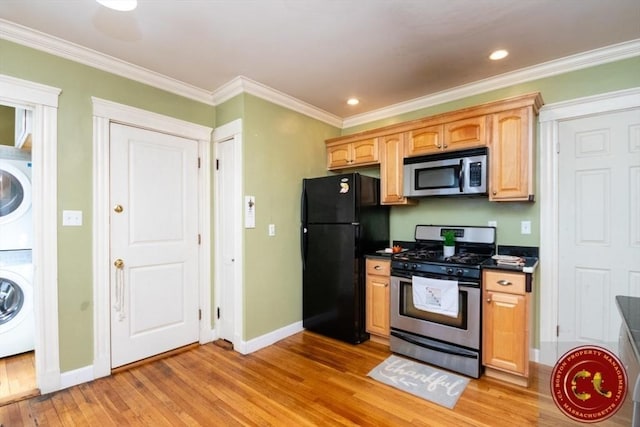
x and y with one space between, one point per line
436 301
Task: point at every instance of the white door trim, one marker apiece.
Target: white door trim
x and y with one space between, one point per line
232 130
105 112
550 116
43 100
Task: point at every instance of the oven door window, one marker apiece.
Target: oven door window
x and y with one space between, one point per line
408 309
438 177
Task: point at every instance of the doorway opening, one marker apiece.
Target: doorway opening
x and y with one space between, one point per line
34 110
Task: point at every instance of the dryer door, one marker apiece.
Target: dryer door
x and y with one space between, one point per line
15 192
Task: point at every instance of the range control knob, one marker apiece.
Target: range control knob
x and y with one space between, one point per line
406 266
460 272
414 266
449 270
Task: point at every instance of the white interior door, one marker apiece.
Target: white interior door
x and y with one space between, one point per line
154 295
227 226
599 225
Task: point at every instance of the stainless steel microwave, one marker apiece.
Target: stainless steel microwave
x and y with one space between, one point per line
446 174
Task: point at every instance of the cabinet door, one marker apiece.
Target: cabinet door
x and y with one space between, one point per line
338 156
467 133
511 155
504 333
426 140
391 170
378 305
365 151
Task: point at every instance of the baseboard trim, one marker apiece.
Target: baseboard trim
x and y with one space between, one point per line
75 377
247 347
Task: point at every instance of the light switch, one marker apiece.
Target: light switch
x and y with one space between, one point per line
72 218
525 227
272 229
492 223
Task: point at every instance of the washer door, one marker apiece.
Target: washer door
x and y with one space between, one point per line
11 300
15 193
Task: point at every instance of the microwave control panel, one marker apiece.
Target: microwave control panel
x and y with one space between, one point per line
475 174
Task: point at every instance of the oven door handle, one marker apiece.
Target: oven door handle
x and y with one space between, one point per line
457 352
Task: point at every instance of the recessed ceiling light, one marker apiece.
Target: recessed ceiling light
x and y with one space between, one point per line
498 54
353 101
121 5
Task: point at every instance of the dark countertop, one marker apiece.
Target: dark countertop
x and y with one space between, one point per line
378 255
529 253
629 308
530 265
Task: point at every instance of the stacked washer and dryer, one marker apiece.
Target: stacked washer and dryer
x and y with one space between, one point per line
16 243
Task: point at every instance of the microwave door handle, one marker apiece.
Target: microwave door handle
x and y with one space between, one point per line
461 176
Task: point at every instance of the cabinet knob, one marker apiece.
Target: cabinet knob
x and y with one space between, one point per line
488 299
445 145
494 192
377 267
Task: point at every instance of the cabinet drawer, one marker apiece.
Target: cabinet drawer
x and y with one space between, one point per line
503 281
379 267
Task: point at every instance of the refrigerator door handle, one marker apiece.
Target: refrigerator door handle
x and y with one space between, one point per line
303 228
303 245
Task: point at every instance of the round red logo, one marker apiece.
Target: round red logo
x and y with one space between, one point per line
589 384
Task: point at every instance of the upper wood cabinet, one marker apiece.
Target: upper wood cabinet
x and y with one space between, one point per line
456 135
468 133
391 170
357 153
427 140
506 127
512 155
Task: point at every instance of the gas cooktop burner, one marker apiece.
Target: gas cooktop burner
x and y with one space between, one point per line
428 255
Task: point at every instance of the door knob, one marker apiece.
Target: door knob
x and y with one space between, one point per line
118 208
118 263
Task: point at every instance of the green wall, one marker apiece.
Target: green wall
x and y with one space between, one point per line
7 125
280 148
600 79
75 137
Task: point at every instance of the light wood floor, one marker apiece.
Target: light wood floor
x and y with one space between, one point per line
303 380
17 378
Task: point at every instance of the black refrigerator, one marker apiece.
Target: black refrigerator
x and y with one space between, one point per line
342 220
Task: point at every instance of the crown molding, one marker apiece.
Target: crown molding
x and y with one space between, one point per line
547 69
243 84
62 48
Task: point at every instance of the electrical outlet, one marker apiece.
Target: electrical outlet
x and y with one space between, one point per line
492 223
525 227
72 218
272 229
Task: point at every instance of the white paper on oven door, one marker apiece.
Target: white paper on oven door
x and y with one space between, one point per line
435 295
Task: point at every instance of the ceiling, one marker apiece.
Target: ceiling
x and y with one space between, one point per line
323 51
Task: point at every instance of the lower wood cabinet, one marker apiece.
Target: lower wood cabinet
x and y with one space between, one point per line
505 326
377 297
